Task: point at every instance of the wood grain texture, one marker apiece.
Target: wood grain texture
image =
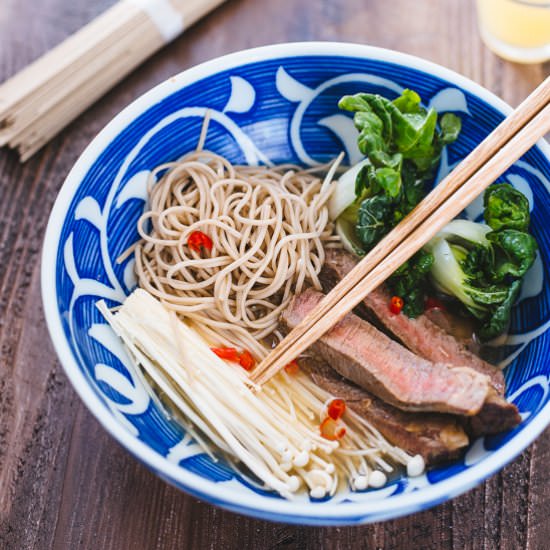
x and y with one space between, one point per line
64 483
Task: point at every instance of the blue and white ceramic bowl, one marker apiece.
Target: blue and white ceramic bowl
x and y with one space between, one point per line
277 104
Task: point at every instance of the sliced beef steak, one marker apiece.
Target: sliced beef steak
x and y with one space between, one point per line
461 328
421 335
497 415
437 437
384 367
425 338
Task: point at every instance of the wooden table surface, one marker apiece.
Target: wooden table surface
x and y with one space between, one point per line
64 483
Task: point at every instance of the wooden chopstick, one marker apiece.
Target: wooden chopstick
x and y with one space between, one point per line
511 139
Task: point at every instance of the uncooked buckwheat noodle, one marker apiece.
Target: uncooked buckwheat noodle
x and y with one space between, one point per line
40 100
268 226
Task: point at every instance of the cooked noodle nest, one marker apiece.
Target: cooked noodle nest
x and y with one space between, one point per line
268 227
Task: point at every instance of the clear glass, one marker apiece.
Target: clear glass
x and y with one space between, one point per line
518 30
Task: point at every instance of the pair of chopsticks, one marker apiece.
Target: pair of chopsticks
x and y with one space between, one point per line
507 143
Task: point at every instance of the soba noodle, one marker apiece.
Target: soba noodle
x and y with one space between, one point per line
268 227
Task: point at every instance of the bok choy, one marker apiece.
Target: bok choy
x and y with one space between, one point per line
402 144
479 265
483 265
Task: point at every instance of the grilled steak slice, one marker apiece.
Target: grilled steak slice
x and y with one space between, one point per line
459 327
427 339
437 437
384 367
497 415
421 335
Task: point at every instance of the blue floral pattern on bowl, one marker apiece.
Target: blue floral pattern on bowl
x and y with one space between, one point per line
277 104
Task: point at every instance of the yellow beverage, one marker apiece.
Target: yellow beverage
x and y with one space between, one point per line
516 29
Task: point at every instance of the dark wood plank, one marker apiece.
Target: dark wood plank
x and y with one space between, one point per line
538 526
63 482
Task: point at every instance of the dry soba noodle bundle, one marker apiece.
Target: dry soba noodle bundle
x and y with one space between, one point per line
265 231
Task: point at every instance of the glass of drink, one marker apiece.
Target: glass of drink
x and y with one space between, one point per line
518 30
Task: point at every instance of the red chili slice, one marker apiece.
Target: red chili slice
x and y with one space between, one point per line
396 304
292 368
246 360
229 354
332 429
336 409
199 241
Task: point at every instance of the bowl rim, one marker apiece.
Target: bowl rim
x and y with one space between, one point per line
218 493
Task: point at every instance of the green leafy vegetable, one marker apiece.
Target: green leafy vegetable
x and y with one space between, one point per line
515 252
410 282
476 261
385 180
449 277
480 265
403 145
483 268
500 319
450 128
506 208
374 215
466 233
